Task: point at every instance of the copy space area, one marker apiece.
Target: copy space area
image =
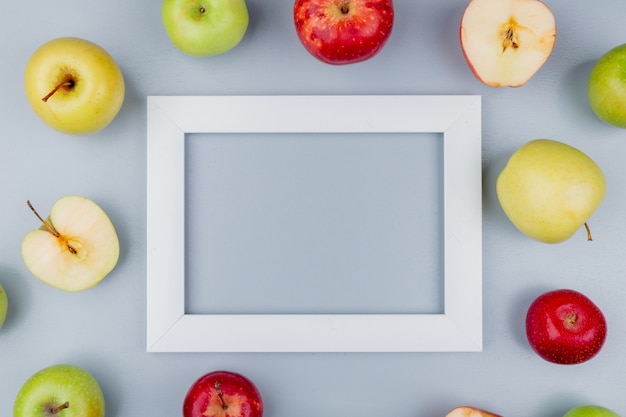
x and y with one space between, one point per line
314 223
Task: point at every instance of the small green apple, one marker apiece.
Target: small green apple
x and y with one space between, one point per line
205 27
60 390
4 305
607 87
590 411
74 85
549 189
75 247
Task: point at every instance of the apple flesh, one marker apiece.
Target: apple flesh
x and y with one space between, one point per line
466 411
549 189
341 32
74 85
60 390
75 247
505 42
590 411
565 327
205 27
4 305
223 394
606 88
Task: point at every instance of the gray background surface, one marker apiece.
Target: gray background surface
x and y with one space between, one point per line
103 329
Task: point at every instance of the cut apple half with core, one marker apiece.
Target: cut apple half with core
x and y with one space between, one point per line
505 42
75 247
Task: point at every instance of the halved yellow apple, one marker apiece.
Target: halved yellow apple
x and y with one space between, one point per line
466 411
505 42
75 247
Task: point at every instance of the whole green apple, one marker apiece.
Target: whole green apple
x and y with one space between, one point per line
63 390
607 87
590 411
4 305
205 27
549 189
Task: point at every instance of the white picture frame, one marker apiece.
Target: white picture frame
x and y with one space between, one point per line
458 328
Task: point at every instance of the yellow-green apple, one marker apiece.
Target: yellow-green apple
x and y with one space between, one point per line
75 247
565 327
549 189
205 27
60 390
4 305
74 85
606 88
590 410
223 394
467 411
505 42
343 31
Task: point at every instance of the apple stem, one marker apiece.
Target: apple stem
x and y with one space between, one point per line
58 408
345 7
218 389
68 83
589 239
50 227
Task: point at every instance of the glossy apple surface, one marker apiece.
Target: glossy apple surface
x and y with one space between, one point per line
341 32
223 394
505 42
74 85
549 190
75 247
590 411
467 411
4 305
565 327
606 88
205 27
60 390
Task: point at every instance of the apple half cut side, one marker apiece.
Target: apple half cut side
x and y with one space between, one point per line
75 247
505 42
466 411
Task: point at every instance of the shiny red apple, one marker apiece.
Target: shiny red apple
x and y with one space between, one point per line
565 327
223 394
343 31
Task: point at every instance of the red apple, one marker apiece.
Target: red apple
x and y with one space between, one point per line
505 42
223 394
343 31
466 411
565 327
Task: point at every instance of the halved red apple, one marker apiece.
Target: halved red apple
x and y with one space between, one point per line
466 411
505 42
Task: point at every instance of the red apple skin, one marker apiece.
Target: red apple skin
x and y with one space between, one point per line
239 396
340 32
565 327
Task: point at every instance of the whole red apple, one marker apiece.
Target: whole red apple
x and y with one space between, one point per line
343 31
565 327
223 394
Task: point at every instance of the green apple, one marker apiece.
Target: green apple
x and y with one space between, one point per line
74 85
590 411
549 189
4 305
60 390
205 27
606 88
75 247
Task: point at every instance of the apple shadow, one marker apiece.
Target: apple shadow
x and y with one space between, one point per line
517 312
575 90
17 295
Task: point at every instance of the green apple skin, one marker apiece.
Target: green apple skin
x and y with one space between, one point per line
205 27
56 385
606 88
549 189
590 411
4 305
92 85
